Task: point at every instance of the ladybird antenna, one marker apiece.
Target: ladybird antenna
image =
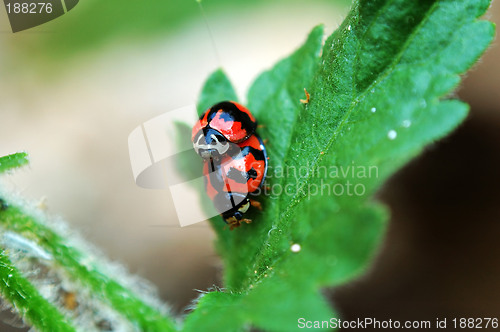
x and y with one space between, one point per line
211 36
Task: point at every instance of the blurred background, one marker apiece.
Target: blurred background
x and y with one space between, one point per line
73 89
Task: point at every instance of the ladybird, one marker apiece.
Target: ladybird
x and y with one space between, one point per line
223 123
234 179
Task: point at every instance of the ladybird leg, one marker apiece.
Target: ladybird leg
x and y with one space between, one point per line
237 223
232 222
248 221
261 126
256 204
265 141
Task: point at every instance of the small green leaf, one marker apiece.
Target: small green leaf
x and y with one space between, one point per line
12 161
217 88
378 94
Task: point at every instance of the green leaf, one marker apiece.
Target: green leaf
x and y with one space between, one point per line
12 161
217 88
378 95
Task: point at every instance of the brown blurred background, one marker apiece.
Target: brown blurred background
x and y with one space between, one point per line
73 111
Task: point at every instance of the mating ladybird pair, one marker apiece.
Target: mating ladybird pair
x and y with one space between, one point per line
235 159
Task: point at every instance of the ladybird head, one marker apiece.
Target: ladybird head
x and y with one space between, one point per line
210 144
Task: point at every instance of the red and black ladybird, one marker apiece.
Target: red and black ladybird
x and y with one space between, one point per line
224 122
235 159
233 180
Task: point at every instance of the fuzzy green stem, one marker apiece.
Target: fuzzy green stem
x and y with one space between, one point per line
121 299
22 295
13 161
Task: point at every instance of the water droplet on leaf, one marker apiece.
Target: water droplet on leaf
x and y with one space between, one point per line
295 247
406 123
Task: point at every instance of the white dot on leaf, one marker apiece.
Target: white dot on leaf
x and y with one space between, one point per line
406 123
373 109
295 247
392 134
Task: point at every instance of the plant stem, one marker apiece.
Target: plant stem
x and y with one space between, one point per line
22 295
13 161
121 299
